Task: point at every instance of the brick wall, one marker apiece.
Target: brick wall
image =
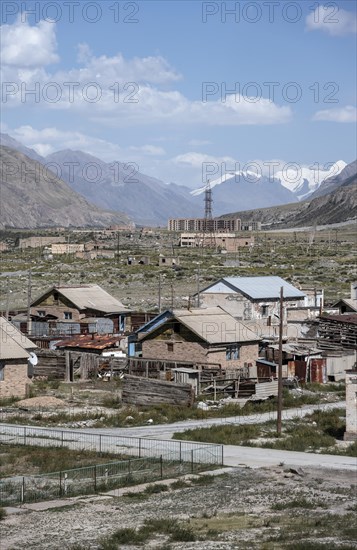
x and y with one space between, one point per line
15 380
198 353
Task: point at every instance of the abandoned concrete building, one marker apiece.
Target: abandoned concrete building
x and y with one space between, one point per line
225 241
15 351
211 337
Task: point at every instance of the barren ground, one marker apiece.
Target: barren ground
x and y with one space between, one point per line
266 509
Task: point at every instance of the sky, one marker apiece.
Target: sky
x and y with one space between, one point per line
186 90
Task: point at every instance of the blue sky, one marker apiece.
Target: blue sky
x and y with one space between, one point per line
198 84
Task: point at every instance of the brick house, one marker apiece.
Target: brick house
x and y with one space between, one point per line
210 336
77 303
15 351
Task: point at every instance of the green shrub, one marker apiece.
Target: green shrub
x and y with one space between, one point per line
3 513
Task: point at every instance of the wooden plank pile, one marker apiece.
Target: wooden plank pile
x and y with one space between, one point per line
148 391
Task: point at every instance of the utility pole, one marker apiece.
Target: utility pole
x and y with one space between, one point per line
198 286
118 247
29 285
159 293
172 296
280 367
7 298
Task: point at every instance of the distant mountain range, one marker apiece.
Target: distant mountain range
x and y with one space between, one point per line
335 202
148 201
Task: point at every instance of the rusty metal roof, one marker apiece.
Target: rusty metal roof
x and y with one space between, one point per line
90 341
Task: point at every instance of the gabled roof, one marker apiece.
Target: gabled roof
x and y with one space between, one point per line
347 301
13 344
10 330
85 297
256 288
213 325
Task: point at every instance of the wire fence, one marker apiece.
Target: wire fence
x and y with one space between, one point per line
90 479
154 459
168 449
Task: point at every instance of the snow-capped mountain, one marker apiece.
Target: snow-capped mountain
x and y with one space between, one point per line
290 184
304 180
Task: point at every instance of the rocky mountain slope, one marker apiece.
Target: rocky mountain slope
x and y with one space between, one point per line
31 196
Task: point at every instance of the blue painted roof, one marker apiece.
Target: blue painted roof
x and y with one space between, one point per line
260 288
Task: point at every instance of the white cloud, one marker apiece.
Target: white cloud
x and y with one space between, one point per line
152 150
341 114
332 19
120 92
26 46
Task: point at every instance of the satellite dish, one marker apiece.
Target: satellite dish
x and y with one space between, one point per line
33 359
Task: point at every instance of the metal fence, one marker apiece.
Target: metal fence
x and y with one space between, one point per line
90 479
155 459
171 450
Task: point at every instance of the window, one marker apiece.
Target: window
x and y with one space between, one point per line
67 315
41 313
170 346
265 311
232 352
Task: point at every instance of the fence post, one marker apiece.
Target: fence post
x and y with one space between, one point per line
161 468
192 461
23 490
180 451
100 443
222 459
95 479
129 467
60 480
62 438
139 447
24 436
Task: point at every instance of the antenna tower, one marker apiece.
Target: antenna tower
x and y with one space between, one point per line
209 239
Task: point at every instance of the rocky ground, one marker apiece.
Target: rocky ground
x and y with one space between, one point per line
268 509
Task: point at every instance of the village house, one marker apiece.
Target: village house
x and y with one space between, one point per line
15 352
210 337
348 305
251 298
77 304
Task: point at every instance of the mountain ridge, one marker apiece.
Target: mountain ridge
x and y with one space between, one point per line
33 197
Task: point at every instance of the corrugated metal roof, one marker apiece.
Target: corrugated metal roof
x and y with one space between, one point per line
10 342
260 288
89 297
215 326
16 335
